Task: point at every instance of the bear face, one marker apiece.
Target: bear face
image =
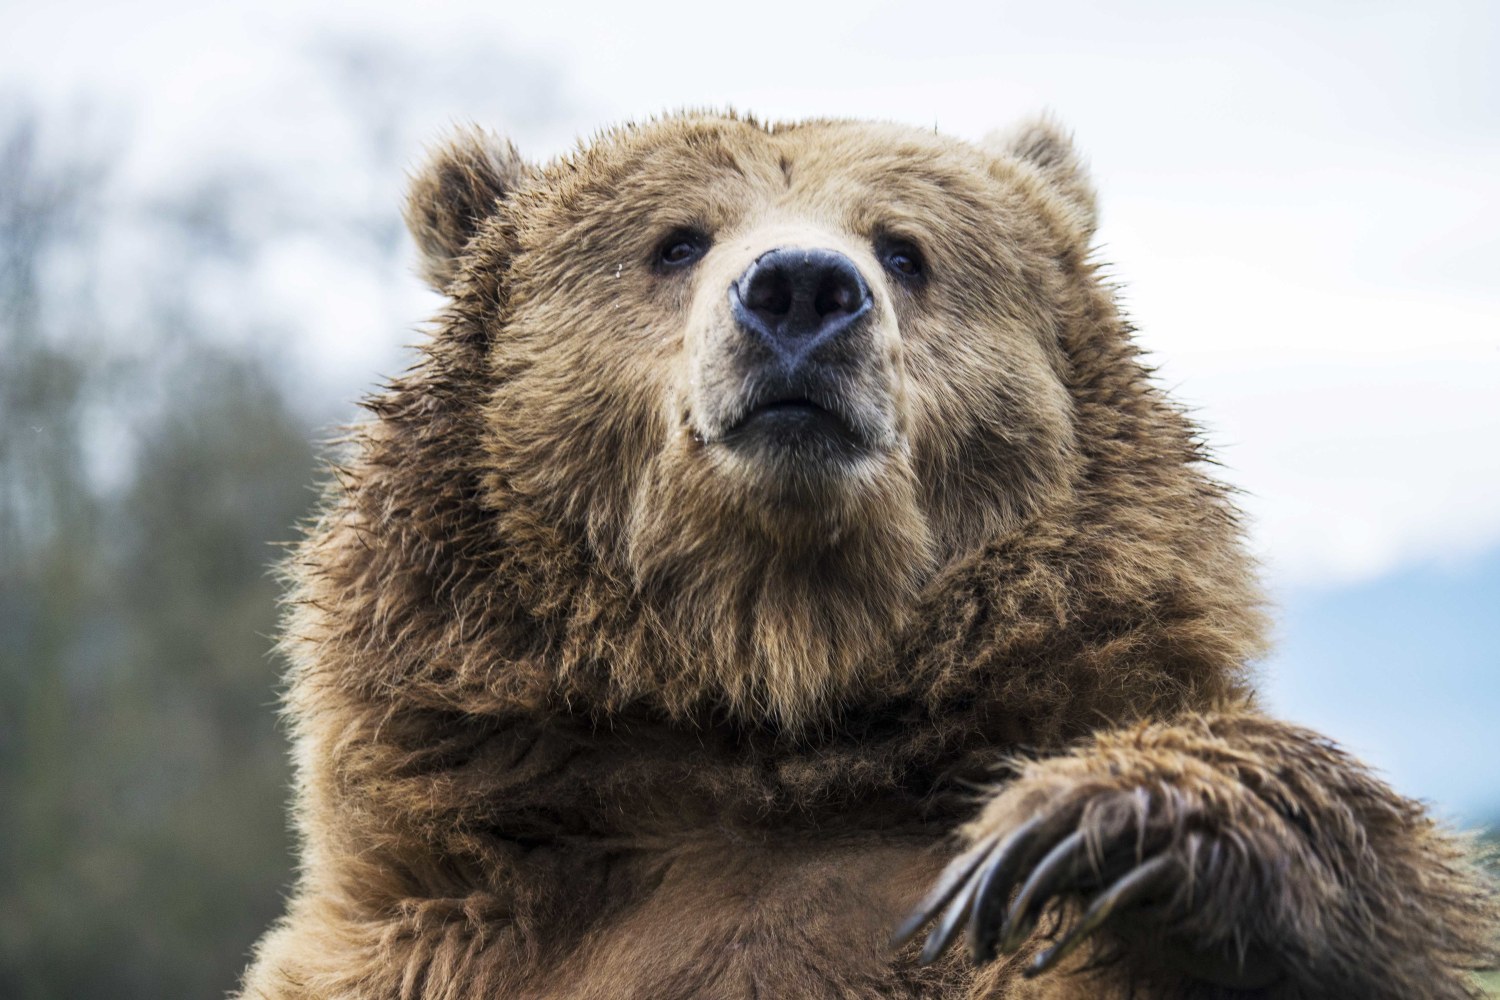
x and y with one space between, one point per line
770 381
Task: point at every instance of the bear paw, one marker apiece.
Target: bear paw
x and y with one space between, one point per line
1142 867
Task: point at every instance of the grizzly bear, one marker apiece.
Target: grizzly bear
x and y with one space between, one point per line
781 563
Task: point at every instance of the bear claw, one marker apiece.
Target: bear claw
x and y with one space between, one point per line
1142 882
1049 857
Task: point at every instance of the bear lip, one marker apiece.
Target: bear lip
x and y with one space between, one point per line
792 419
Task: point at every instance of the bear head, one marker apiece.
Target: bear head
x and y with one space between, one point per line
713 404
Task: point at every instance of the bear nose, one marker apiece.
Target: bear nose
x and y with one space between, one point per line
793 300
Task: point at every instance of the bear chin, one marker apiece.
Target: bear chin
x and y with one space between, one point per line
799 455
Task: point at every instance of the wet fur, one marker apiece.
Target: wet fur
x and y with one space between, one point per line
574 720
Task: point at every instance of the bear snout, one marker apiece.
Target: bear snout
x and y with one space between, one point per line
794 301
796 371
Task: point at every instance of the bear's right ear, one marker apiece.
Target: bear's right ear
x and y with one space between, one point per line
458 187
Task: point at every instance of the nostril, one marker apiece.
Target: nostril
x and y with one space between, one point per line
837 293
770 292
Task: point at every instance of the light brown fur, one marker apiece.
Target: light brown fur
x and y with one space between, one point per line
588 706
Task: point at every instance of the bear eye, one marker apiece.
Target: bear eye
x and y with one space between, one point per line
681 248
902 258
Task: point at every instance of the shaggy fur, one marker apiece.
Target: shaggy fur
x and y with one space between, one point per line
587 706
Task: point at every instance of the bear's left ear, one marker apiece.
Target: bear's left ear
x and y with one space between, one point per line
1047 148
454 192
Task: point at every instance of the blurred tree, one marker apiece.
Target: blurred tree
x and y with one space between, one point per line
145 472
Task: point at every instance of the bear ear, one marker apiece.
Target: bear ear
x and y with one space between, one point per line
460 186
1047 148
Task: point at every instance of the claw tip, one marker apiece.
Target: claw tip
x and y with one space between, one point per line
907 929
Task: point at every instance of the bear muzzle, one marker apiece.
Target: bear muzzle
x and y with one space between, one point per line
804 376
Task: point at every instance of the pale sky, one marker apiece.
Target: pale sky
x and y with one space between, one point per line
1301 200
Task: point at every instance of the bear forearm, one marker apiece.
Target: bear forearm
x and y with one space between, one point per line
1288 851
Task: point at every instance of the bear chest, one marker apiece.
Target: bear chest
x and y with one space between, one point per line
734 919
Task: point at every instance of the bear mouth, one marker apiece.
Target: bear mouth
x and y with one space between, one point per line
798 423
